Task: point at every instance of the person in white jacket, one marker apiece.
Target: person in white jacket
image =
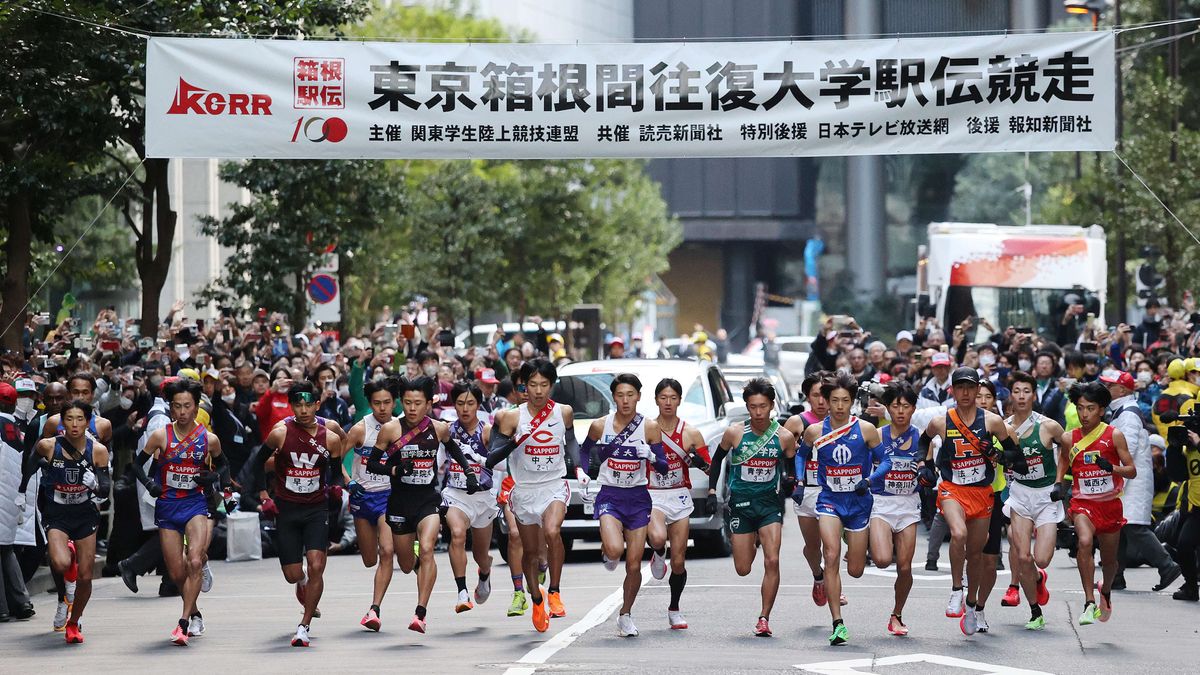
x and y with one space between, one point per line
14 598
1138 542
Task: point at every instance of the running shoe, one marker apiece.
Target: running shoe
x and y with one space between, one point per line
658 566
818 593
195 626
969 623
371 621
128 576
896 626
1038 623
417 625
1043 591
464 602
840 635
675 618
179 637
74 635
843 601
483 590
520 603
60 616
207 579
625 627
762 628
541 619
609 565
70 588
931 565
954 608
982 621
557 611
1105 605
1012 597
1089 615
301 637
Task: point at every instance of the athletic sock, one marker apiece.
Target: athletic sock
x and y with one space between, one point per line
662 552
376 609
1013 586
518 582
837 622
183 625
421 612
461 582
60 586
196 615
956 588
1035 610
818 578
552 589
677 582
483 576
979 607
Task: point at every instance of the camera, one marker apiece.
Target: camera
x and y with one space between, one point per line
1178 435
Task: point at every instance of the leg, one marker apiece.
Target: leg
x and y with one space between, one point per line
745 546
457 520
1084 555
810 532
481 545
612 538
770 536
173 557
516 549
905 545
402 545
977 535
856 551
531 538
368 541
635 542
656 532
85 551
881 543
197 545
1108 558
956 520
677 533
831 543
427 534
552 521
1020 532
316 583
1043 546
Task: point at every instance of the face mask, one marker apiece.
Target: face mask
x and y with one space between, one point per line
284 390
24 406
229 398
1024 364
987 360
430 370
344 391
379 377
1144 377
126 403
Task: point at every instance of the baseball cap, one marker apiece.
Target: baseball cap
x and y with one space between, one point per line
486 376
556 337
904 335
1118 377
213 373
617 341
8 395
1158 442
25 384
941 359
189 373
964 374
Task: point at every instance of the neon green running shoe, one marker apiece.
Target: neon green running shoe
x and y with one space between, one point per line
840 635
520 603
1090 614
1040 623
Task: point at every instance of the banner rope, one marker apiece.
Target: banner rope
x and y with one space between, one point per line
1156 197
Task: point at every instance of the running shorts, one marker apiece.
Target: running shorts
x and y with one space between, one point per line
748 515
175 514
1032 504
77 521
300 528
480 508
976 500
853 510
369 505
530 502
630 506
1106 516
807 508
898 511
675 503
407 508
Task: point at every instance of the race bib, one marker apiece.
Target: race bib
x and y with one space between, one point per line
674 475
901 479
1097 485
70 495
969 470
368 478
842 478
810 473
542 458
423 470
182 477
302 481
758 470
1036 468
623 472
457 478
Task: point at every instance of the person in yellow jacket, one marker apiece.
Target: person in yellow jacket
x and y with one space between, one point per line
1181 391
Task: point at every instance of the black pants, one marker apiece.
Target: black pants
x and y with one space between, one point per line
1140 546
1189 539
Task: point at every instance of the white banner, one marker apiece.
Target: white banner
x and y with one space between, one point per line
345 100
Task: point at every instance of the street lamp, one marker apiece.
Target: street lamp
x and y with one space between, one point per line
1091 7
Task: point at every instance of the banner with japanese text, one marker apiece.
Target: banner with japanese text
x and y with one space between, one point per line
345 100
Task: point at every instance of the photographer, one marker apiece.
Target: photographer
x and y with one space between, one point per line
1183 466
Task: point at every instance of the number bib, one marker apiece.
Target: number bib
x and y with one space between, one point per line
423 471
1094 480
302 481
70 495
455 477
674 475
181 477
842 478
810 473
369 480
539 458
758 470
1036 468
901 479
969 470
622 472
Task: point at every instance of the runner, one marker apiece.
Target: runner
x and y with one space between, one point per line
965 494
804 502
1100 462
617 452
761 476
369 495
671 494
75 475
306 452
897 506
412 443
516 552
844 447
986 400
469 511
1034 504
541 432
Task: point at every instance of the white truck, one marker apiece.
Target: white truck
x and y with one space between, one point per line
1021 276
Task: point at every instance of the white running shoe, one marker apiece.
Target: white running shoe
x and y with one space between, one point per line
981 621
206 581
483 590
970 622
676 620
658 566
609 565
196 626
954 608
60 616
301 638
70 591
464 602
625 627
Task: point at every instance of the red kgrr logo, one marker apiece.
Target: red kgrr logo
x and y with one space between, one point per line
192 99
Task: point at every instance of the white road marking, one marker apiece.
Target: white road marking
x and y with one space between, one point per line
850 666
561 640
891 573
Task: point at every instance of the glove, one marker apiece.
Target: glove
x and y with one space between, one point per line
787 486
644 452
208 478
926 476
19 501
406 467
268 508
582 477
356 490
154 489
336 492
1016 461
862 487
1104 464
89 480
1056 492
472 484
711 505
698 461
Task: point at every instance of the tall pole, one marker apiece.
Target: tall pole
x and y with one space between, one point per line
1122 257
866 216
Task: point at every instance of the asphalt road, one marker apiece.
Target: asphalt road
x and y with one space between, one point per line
251 614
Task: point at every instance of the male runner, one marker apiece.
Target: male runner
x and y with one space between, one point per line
1100 462
465 511
985 399
671 494
897 506
369 494
516 552
1034 504
618 451
541 438
306 453
844 447
412 443
760 477
805 507
965 494
75 475
187 455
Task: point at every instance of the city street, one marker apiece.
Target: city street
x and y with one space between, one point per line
251 614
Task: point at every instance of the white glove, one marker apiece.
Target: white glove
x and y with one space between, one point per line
19 500
582 477
644 452
89 480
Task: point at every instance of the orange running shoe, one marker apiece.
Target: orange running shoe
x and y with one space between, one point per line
1012 596
541 620
179 636
74 636
1043 591
557 611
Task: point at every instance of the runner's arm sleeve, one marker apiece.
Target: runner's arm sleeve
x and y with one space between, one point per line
587 458
660 458
500 448
376 465
139 469
924 443
362 407
803 454
31 467
457 455
880 471
103 481
571 451
714 471
788 469
221 464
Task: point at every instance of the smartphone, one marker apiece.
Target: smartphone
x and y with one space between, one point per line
200 325
146 343
327 358
408 330
1024 330
110 345
389 332
1088 347
840 321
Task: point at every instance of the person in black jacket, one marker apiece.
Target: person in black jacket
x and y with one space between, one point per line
234 425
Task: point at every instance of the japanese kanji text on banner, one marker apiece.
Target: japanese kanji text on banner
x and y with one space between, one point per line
328 100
